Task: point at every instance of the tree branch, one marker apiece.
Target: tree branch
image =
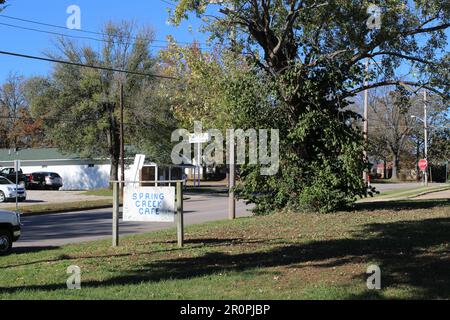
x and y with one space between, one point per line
400 55
390 83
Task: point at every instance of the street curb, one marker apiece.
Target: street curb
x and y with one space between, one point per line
31 214
429 192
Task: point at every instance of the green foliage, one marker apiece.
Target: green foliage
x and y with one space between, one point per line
205 86
440 146
324 176
308 61
81 106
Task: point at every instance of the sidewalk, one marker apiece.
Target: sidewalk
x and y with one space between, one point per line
435 195
438 191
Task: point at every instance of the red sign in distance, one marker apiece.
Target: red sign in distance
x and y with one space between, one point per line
423 164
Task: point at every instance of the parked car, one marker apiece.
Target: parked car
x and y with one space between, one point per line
8 191
9 230
44 180
10 174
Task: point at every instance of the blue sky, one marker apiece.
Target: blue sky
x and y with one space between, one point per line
93 15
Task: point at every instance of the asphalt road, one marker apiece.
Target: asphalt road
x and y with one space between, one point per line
74 227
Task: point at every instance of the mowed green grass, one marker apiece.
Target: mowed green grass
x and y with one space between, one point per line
99 192
281 256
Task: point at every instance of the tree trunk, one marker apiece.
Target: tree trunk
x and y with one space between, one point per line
114 172
417 161
385 172
395 162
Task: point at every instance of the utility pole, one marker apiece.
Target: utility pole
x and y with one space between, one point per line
232 177
122 142
425 122
366 122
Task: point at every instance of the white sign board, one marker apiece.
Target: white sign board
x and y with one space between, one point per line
149 204
199 138
16 165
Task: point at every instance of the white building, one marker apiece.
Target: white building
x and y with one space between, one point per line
77 174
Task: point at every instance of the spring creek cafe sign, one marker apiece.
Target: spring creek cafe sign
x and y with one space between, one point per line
149 204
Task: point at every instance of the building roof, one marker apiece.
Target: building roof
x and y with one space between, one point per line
35 154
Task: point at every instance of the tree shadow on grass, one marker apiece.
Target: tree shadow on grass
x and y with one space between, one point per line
409 253
31 249
218 242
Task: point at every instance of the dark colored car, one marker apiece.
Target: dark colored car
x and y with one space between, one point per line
10 174
44 180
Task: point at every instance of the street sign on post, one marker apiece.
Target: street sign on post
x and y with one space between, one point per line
198 139
423 164
16 165
17 169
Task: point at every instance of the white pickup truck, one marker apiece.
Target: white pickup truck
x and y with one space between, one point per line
10 230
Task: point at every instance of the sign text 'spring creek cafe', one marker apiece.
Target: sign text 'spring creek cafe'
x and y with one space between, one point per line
150 204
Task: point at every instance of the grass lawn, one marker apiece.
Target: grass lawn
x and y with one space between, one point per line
99 192
62 207
282 256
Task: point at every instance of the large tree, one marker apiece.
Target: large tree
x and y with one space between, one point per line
440 145
17 127
391 113
81 106
396 128
314 55
12 101
208 85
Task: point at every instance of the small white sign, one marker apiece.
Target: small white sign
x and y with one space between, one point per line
199 138
149 204
17 165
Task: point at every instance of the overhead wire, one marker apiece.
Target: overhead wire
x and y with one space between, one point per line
26 56
82 30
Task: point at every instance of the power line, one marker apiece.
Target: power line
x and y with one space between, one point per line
76 30
84 65
66 35
169 3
